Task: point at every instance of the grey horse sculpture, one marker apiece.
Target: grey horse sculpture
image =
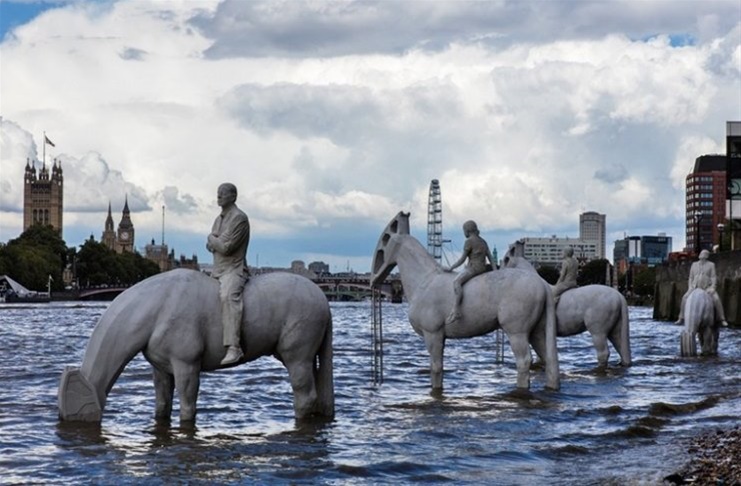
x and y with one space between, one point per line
599 309
699 320
174 319
510 299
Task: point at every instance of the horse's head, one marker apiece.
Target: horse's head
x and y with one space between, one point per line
515 257
384 256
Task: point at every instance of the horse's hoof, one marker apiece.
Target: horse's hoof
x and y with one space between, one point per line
233 355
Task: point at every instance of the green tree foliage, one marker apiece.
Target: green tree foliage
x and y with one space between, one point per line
97 265
34 256
40 252
548 273
593 272
644 281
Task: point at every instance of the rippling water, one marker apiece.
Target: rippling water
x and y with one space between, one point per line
623 426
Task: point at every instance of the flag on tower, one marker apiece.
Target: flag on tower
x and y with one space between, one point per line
46 140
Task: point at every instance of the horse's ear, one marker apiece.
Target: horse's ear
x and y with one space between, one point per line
403 218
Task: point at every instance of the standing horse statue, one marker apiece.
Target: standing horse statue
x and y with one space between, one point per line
513 300
599 309
699 320
174 319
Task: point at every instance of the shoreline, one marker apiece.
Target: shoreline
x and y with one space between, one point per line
715 458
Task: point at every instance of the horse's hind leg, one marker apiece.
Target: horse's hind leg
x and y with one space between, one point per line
537 341
187 382
521 350
164 386
709 340
603 352
301 374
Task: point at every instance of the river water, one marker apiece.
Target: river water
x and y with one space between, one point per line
624 426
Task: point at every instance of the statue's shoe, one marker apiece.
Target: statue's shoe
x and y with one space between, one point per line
724 323
233 355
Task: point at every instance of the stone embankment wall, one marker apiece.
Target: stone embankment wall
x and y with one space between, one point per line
671 284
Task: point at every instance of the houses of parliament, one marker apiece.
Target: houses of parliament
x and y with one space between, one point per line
43 203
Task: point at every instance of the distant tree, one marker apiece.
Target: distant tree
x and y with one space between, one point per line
644 281
37 254
548 273
97 265
593 272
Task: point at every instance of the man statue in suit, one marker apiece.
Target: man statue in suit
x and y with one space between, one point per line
702 276
228 241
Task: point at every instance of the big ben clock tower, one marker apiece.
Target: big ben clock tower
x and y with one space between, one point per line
126 230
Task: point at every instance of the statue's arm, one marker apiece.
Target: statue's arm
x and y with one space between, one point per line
713 278
230 240
490 257
691 281
464 256
562 273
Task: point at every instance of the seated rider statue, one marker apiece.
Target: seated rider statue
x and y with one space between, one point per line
477 252
702 276
567 275
228 242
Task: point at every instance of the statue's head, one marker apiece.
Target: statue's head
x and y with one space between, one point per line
704 254
470 227
227 194
568 252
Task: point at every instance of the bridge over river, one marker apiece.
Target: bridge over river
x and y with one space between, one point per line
336 288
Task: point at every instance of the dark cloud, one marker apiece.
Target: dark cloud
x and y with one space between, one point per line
178 203
133 54
292 28
340 113
409 133
611 175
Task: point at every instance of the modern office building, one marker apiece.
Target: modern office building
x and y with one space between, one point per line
705 204
592 227
43 196
549 251
644 250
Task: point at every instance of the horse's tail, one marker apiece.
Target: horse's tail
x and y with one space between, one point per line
324 373
114 342
553 376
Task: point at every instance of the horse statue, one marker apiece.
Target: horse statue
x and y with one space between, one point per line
699 320
511 299
599 309
174 319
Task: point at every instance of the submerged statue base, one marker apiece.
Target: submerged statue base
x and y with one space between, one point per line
77 398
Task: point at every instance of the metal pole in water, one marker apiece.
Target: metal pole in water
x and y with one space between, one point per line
376 337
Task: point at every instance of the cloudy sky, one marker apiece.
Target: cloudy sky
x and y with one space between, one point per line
332 116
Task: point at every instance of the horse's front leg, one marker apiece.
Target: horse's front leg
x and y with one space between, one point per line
435 342
164 386
187 382
521 349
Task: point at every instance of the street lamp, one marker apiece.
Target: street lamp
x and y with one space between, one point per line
698 217
721 227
